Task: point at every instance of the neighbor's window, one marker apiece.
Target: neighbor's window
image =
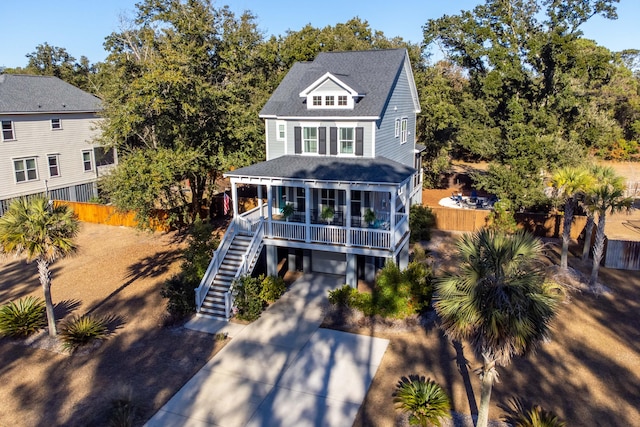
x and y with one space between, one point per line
55 124
310 140
317 100
342 100
403 131
87 161
397 132
54 165
329 100
25 169
104 156
7 130
345 139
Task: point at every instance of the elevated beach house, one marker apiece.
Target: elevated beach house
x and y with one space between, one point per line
47 126
342 169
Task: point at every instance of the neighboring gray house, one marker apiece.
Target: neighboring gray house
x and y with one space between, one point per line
341 152
47 126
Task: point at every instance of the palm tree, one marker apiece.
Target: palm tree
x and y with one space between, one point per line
601 174
569 183
608 196
44 233
499 301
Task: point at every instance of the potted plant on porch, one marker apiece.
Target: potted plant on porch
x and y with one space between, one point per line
369 216
286 211
328 213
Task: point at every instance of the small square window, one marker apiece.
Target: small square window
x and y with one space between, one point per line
54 168
55 124
329 100
7 130
317 100
87 161
342 100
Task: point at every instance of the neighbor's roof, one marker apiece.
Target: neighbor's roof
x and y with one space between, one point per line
43 94
379 170
372 72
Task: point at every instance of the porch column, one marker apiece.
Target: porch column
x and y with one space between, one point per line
291 260
269 204
352 277
392 218
307 214
306 261
403 256
369 269
348 223
234 198
272 260
260 200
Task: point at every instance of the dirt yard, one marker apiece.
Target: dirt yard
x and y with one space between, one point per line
587 373
117 272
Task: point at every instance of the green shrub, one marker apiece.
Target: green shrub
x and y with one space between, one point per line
426 402
123 413
344 296
179 289
500 219
396 293
247 299
81 330
272 288
22 318
536 417
421 220
180 294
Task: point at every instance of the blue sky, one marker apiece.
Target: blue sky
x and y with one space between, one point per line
80 26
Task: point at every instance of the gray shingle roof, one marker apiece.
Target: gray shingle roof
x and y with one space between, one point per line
40 94
373 72
378 170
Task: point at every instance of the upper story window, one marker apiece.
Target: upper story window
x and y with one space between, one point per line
329 100
54 165
342 100
25 169
346 140
7 130
56 124
281 130
310 140
87 161
404 131
397 131
317 100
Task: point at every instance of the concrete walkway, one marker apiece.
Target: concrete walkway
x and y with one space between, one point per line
281 370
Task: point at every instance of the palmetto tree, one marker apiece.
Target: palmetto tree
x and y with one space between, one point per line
43 233
569 183
601 174
607 196
499 301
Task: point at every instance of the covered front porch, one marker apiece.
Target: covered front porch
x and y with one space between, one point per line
340 212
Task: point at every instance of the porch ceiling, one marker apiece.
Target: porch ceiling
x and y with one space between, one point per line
379 170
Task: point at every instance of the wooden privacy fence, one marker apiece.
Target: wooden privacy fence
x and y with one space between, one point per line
108 215
543 225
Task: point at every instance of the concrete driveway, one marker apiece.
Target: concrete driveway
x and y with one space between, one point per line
281 370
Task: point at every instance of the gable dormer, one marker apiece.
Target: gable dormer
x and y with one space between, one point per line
331 92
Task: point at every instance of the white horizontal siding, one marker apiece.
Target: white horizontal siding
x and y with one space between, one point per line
35 138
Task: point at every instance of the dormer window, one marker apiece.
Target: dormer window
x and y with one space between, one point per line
331 91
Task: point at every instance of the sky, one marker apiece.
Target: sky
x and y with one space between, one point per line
80 26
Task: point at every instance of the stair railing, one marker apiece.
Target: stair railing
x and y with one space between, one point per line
247 260
214 265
